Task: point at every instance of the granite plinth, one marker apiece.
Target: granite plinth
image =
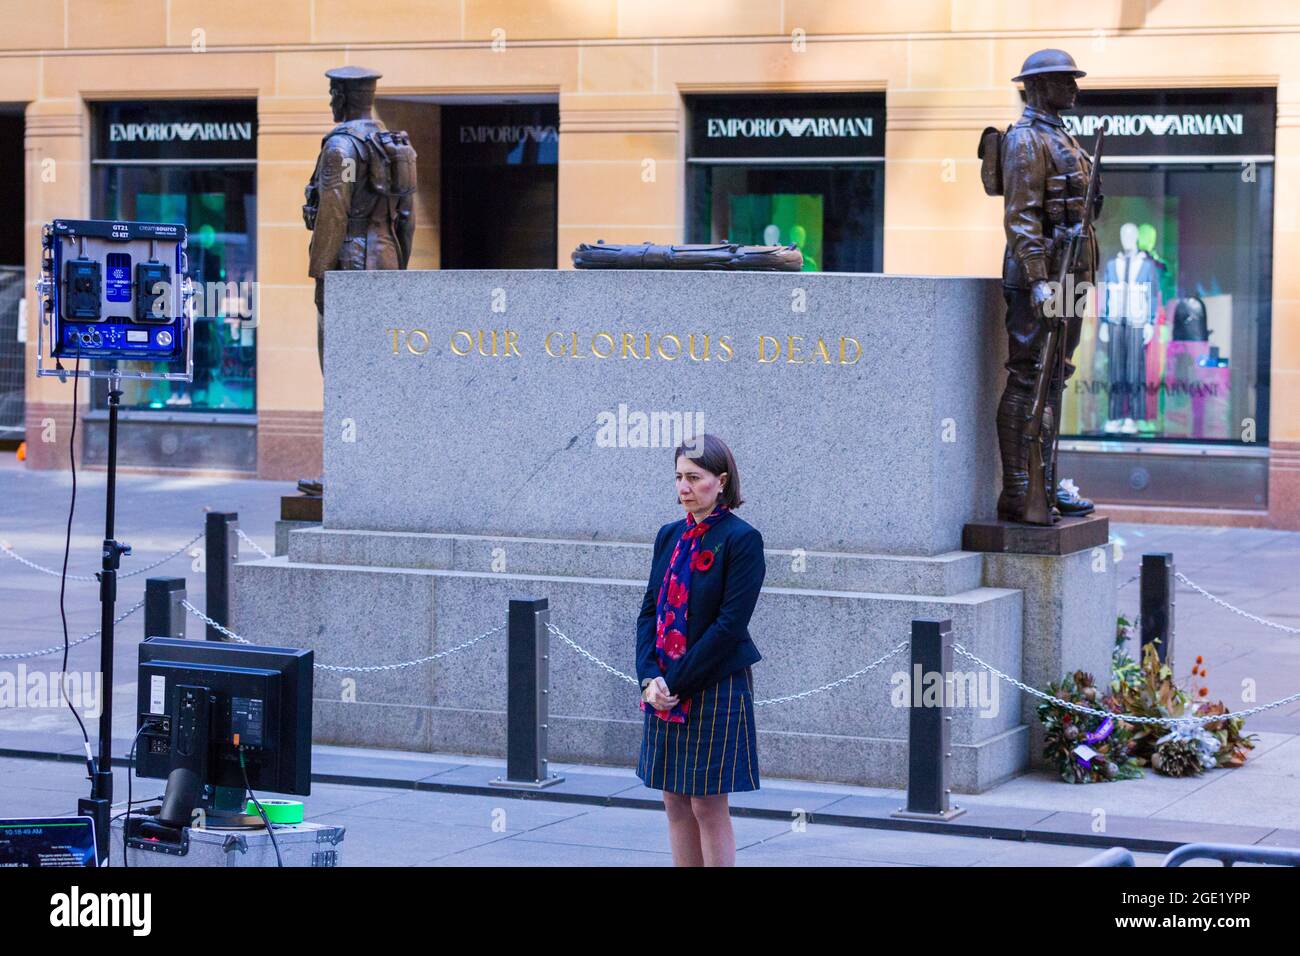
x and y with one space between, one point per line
1069 619
282 529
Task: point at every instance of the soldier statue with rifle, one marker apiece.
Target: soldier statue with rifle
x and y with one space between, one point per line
1050 186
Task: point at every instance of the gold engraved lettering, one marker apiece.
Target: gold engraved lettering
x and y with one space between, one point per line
608 338
493 353
690 341
822 351
628 346
510 345
660 348
792 350
724 344
762 349
395 333
410 339
858 345
469 341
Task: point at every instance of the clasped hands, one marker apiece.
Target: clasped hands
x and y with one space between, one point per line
657 696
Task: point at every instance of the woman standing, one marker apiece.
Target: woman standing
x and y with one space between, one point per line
693 657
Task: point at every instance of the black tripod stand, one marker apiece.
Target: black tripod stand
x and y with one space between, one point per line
100 802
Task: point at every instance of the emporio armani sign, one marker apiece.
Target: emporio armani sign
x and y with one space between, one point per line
508 133
794 126
185 132
1156 124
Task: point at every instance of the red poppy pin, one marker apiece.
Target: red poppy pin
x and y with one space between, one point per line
702 561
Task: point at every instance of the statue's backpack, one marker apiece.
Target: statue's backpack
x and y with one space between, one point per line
992 142
394 173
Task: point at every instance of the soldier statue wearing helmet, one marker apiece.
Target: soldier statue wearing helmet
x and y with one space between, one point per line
360 197
1042 172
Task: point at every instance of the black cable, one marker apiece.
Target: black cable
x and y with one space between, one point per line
130 766
63 578
257 803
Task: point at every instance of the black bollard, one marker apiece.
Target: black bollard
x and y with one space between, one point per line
1157 607
928 746
527 691
163 614
222 550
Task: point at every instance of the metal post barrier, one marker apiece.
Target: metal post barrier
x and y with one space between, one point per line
222 531
928 731
1230 853
1157 608
164 615
1115 856
527 691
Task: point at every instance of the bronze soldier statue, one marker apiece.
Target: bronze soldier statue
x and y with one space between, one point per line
1042 172
360 206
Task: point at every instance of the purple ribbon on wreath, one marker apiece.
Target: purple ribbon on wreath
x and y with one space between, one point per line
1095 737
1101 733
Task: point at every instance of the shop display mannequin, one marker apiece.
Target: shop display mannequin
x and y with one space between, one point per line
1127 317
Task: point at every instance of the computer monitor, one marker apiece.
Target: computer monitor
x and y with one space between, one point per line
203 701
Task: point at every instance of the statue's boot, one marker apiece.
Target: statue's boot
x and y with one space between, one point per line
1013 443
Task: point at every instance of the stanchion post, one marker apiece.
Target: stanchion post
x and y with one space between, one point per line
928 734
164 615
222 532
1157 608
527 696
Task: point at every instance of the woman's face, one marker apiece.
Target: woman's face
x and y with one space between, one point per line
697 487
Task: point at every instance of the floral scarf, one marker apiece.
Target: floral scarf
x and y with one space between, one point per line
674 600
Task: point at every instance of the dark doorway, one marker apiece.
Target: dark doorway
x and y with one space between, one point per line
499 186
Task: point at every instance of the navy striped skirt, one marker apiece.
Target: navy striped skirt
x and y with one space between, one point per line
714 751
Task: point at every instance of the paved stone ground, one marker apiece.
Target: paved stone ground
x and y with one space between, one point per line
1251 568
405 828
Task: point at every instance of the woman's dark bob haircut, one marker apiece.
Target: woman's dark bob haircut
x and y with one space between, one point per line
712 454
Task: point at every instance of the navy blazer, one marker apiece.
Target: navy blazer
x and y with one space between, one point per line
722 600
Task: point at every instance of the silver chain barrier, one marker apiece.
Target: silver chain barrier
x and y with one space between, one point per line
5 548
591 657
341 668
58 573
1135 577
843 680
758 703
26 655
211 623
1129 718
243 536
1235 610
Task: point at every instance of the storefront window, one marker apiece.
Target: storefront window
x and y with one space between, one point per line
801 169
193 164
1179 349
